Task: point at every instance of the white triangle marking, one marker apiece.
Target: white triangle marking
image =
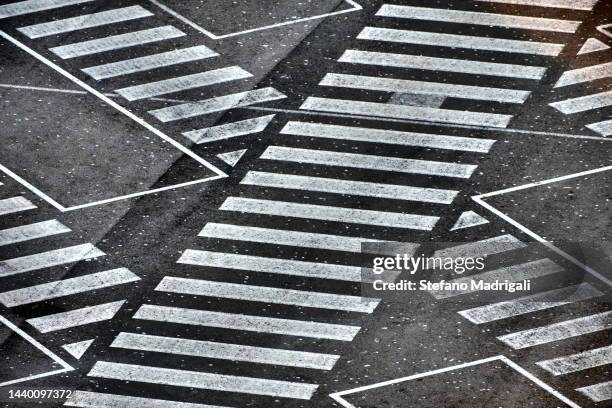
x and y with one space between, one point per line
592 45
232 158
77 350
469 219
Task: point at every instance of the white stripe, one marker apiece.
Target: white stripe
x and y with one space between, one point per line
604 128
183 83
15 204
225 351
584 103
85 21
578 362
366 161
116 42
67 287
200 380
395 137
460 41
421 87
569 4
221 103
530 304
478 18
328 213
32 231
558 331
266 294
386 110
271 265
246 322
229 130
149 62
598 392
32 6
586 74
87 399
514 273
48 259
294 238
442 64
485 247
77 317
349 187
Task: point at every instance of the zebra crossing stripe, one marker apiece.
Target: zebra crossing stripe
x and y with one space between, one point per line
266 294
604 128
485 247
578 362
558 331
370 162
221 103
598 392
88 399
183 83
66 287
463 66
530 304
225 351
586 74
249 323
32 6
478 18
32 231
229 130
584 103
15 204
568 4
359 188
386 110
361 134
270 265
329 213
48 259
116 42
460 41
85 21
77 317
422 87
149 62
200 380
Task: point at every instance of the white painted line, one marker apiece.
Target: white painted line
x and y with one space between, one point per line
586 74
578 362
485 247
584 103
410 61
77 317
386 110
361 134
229 130
250 323
366 161
85 21
15 204
200 380
88 399
604 128
469 219
558 331
271 265
460 41
116 42
66 287
598 392
329 213
514 273
78 349
530 304
268 295
48 259
32 6
32 231
478 18
149 62
183 83
568 4
221 103
349 187
422 87
225 351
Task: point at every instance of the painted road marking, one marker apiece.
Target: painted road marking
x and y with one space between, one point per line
77 317
87 399
32 6
604 128
578 362
485 247
584 103
229 130
586 74
569 4
15 204
32 231
598 392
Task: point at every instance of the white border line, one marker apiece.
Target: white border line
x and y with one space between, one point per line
479 200
43 349
355 7
337 396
